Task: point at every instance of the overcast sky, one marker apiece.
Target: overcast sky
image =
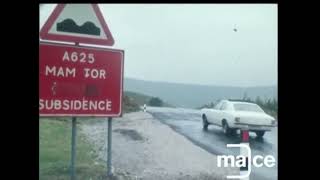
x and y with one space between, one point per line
193 43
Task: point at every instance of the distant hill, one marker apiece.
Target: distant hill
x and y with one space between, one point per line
192 95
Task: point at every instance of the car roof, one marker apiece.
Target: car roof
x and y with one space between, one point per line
238 101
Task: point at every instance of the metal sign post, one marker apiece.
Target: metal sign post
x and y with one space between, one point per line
73 147
109 173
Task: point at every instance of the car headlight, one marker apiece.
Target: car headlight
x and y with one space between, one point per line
237 119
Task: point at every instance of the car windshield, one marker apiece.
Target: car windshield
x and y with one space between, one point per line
247 107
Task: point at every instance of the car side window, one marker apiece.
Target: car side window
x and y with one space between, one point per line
217 106
223 106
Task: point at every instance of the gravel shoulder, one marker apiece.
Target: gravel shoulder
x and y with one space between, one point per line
144 148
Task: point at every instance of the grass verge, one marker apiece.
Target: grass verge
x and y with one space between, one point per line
55 152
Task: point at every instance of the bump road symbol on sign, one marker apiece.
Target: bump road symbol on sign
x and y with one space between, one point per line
82 23
80 81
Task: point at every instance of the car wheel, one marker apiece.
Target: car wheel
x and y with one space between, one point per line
205 123
233 132
226 130
260 133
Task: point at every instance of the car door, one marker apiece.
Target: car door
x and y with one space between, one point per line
217 113
212 113
221 113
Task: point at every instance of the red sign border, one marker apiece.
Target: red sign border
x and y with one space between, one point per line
121 87
44 32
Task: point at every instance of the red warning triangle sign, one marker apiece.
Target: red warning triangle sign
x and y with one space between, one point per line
81 23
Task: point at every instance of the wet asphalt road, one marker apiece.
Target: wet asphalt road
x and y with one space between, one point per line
188 122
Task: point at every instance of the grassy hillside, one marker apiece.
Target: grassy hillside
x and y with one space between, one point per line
141 99
138 98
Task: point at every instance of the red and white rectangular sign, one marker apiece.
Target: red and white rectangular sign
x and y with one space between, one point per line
80 81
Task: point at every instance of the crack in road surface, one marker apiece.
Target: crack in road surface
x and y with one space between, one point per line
131 133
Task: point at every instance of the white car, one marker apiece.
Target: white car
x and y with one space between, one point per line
233 115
